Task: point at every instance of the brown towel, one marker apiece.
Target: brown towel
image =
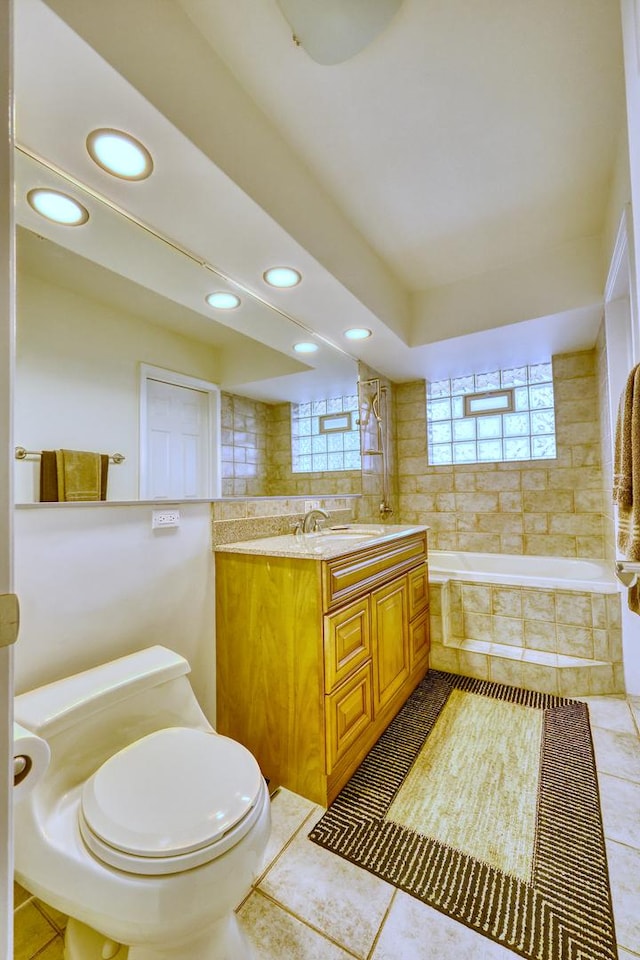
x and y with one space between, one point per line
626 476
71 475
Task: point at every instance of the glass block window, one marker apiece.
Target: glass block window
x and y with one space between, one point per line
325 435
465 423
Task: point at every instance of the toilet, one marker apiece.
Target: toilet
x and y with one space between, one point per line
147 828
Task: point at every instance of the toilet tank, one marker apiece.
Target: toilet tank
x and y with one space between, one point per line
52 708
92 714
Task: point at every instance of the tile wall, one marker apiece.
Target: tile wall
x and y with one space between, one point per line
372 466
546 508
256 455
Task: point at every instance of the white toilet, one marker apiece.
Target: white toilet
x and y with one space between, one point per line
148 827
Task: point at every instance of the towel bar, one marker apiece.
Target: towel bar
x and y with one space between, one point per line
627 572
22 454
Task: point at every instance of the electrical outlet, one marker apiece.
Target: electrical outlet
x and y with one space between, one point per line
165 518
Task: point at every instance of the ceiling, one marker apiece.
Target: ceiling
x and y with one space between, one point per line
467 136
446 187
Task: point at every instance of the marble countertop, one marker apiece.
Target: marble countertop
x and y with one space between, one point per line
325 545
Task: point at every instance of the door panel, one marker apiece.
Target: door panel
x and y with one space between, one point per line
390 632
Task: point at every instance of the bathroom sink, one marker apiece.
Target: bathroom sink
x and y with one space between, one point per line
351 533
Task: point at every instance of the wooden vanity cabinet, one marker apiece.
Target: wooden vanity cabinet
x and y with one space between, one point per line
315 657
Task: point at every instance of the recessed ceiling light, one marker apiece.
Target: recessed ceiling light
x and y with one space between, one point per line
119 154
282 277
357 333
305 347
57 206
222 300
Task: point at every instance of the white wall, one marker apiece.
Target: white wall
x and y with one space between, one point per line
78 375
95 583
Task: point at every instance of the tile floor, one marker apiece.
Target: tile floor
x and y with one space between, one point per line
309 904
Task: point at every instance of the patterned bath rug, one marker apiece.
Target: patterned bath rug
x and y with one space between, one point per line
482 801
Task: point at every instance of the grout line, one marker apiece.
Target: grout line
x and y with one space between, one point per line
309 925
382 923
287 844
46 946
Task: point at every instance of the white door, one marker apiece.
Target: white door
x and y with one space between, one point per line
7 361
178 454
179 436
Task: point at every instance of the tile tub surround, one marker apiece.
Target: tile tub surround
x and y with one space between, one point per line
303 904
256 454
556 641
540 507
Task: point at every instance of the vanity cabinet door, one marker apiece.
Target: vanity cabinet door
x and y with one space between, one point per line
390 635
349 711
347 642
418 590
419 640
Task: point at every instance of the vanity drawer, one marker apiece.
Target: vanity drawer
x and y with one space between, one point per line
418 590
347 642
360 572
348 712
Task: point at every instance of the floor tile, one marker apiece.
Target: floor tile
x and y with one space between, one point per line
20 895
611 714
624 876
288 812
620 800
635 710
53 951
333 895
617 753
32 931
275 934
414 931
56 917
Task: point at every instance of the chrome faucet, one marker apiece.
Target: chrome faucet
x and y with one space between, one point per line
310 520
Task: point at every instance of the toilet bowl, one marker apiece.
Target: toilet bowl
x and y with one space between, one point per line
148 827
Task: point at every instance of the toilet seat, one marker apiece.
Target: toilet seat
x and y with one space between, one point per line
171 801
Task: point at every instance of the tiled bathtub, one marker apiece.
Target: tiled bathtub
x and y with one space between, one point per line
544 623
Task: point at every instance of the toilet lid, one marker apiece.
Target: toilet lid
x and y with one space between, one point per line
174 791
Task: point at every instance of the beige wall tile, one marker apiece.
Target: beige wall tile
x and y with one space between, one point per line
601 680
444 658
579 364
574 608
474 665
535 522
511 543
540 635
510 502
477 626
508 630
575 641
506 601
506 671
550 546
538 605
491 482
477 502
537 676
479 542
598 611
576 524
590 547
535 479
476 598
546 501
